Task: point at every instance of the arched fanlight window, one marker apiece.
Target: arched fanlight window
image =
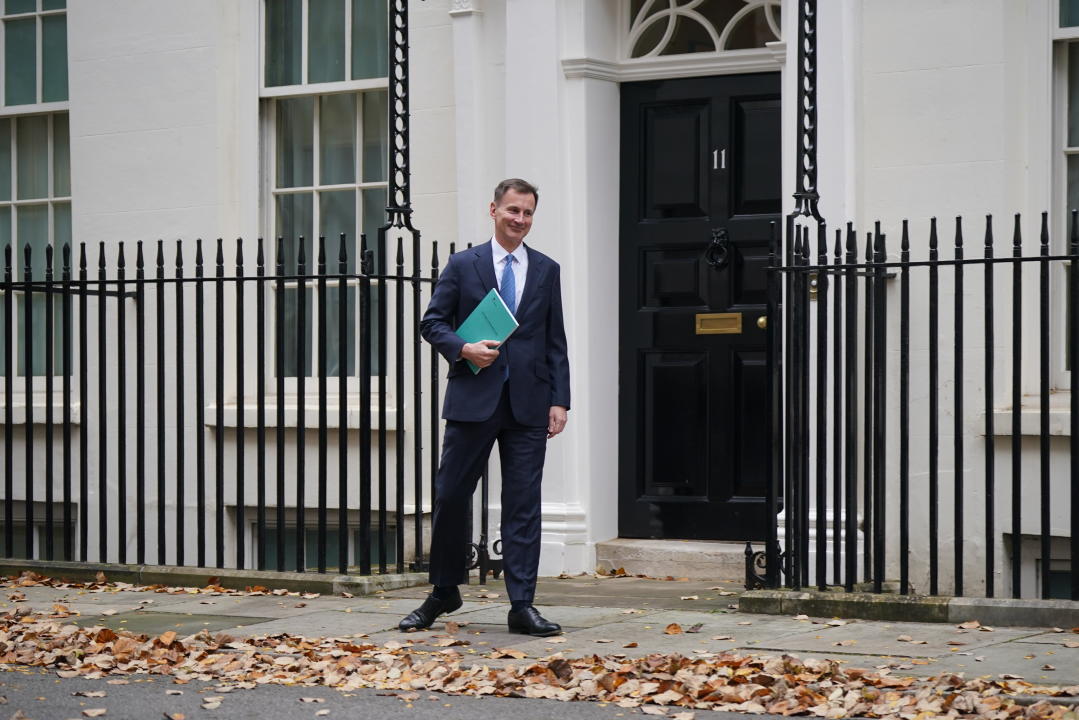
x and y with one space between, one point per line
676 27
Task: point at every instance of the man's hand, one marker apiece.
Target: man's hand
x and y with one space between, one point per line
482 352
556 420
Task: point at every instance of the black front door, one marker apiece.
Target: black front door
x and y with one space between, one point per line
700 186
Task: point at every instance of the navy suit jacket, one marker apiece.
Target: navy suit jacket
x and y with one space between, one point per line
536 351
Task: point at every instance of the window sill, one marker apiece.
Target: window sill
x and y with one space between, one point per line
292 416
1030 417
37 413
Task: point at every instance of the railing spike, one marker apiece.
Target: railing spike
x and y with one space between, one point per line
1017 232
959 231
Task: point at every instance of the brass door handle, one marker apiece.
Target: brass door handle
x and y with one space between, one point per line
762 322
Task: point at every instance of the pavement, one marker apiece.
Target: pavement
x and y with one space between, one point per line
605 616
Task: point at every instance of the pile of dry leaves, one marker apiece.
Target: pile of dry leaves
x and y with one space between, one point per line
29 578
670 685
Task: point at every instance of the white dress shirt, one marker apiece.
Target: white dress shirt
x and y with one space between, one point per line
520 267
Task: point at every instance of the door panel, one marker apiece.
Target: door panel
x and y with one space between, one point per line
700 165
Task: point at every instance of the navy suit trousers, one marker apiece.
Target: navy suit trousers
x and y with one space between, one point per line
466 448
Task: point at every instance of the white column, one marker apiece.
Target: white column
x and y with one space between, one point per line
474 150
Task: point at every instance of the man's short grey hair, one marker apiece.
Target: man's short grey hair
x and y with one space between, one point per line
522 186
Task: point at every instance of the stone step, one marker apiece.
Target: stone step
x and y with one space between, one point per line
697 559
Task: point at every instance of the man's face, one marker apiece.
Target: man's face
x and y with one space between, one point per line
513 216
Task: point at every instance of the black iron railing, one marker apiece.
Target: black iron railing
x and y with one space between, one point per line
112 409
887 447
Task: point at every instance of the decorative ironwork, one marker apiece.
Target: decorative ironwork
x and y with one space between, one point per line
719 20
757 575
806 196
399 205
479 557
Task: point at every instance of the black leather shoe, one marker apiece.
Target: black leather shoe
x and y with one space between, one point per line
422 617
530 622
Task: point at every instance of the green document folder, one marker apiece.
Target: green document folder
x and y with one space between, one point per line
491 320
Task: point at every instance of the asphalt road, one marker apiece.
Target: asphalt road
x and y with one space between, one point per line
40 695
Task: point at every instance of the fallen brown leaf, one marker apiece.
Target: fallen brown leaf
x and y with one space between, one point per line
970 625
673 629
513 653
175 716
630 645
95 712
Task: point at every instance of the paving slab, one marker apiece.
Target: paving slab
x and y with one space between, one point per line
591 591
105 598
260 606
318 623
32 594
1053 638
566 616
883 639
153 623
91 610
403 606
1017 658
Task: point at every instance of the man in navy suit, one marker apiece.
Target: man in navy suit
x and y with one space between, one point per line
520 398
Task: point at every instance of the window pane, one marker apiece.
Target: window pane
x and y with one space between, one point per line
370 29
19 6
375 137
337 134
53 4
374 216
337 214
1073 183
295 219
61 233
1069 13
61 156
5 159
295 138
5 240
33 229
32 151
20 62
54 60
283 42
325 40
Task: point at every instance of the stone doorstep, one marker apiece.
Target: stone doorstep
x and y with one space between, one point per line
324 583
912 608
694 559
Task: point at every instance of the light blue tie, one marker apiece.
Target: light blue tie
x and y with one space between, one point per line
508 287
508 290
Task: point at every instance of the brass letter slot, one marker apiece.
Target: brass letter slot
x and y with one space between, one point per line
719 323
